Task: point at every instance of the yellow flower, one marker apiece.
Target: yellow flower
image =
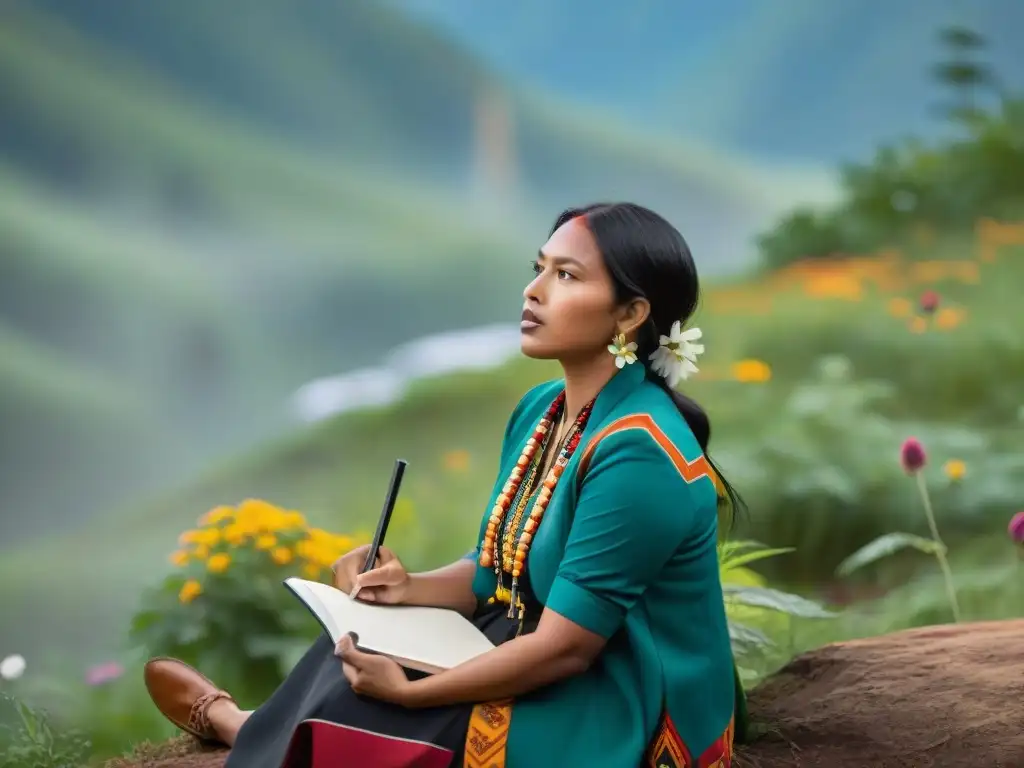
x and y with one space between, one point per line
261 516
900 307
201 552
236 534
209 537
190 537
216 516
918 325
281 555
266 541
292 520
955 469
179 558
456 460
751 371
190 590
311 571
219 563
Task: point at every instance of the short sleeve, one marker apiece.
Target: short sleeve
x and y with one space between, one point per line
634 511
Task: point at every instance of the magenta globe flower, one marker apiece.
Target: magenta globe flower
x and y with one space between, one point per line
912 455
1016 529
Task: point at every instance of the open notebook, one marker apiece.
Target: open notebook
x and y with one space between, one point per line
426 639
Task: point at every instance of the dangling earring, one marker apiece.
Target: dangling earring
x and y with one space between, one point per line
624 353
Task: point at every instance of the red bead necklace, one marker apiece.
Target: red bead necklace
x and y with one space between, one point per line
515 489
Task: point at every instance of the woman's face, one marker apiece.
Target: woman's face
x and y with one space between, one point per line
569 313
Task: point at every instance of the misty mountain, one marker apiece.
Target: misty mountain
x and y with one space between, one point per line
794 78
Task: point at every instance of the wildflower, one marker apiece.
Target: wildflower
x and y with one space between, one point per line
12 667
751 371
293 520
456 460
929 302
201 552
179 558
918 325
266 541
955 469
190 537
103 673
235 534
190 590
219 562
899 307
216 516
949 318
1016 528
281 555
912 455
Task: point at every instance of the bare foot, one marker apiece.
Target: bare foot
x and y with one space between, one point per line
227 719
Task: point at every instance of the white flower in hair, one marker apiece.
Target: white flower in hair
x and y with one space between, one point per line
676 355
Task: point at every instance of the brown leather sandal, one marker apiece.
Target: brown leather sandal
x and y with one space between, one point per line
184 695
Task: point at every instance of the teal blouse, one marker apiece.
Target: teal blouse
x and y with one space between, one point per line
626 549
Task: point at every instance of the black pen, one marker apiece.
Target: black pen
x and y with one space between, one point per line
385 517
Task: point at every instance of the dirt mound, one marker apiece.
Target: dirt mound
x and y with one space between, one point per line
937 697
947 696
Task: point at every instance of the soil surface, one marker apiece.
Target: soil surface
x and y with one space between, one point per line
949 696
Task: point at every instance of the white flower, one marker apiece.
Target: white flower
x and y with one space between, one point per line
676 355
12 667
624 353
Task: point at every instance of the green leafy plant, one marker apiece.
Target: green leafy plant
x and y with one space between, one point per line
32 741
223 609
752 607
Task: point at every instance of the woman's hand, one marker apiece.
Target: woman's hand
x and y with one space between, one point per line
387 582
370 674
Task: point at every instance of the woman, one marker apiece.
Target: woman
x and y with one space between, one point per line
595 571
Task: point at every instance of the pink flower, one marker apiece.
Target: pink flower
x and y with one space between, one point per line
929 302
912 455
1016 528
102 674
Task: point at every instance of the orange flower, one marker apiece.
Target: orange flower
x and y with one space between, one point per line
219 563
190 590
949 318
751 371
179 558
918 325
281 555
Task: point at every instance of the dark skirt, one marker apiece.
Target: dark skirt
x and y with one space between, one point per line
315 720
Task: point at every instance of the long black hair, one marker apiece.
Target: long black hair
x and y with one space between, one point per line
648 258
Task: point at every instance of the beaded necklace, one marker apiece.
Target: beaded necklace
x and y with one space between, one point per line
516 493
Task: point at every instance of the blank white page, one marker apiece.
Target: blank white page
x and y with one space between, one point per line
436 637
